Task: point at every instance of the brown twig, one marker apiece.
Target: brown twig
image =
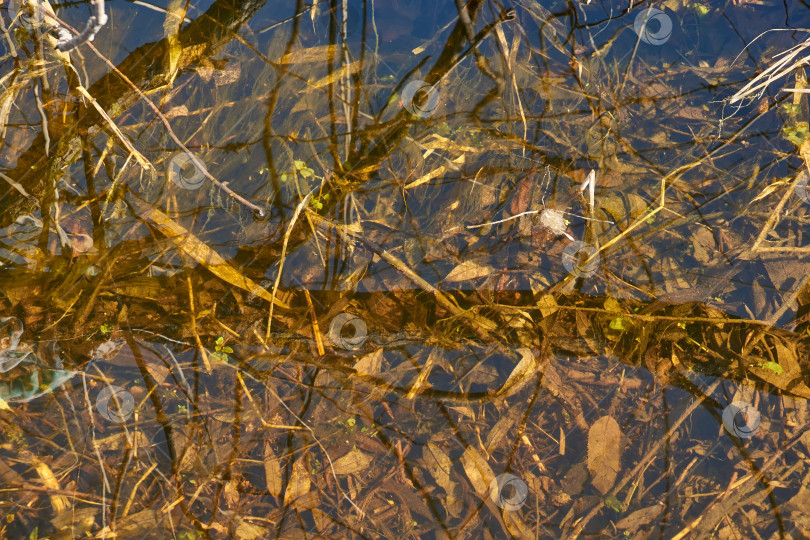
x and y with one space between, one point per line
257 210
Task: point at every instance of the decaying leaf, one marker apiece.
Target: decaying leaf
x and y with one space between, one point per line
469 270
80 520
140 523
421 381
516 526
248 531
370 364
58 502
523 372
349 69
272 471
639 518
308 55
478 471
790 378
440 468
352 463
498 433
547 305
299 483
604 452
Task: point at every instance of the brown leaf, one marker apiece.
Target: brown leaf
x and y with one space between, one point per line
78 519
548 305
370 364
174 112
604 452
438 464
790 377
138 524
478 471
639 518
299 483
440 468
501 429
248 531
303 56
520 202
272 471
230 74
516 526
469 270
421 383
58 502
231 494
353 462
523 372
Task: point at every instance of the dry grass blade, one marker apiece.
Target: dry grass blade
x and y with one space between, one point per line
297 212
200 252
138 156
776 71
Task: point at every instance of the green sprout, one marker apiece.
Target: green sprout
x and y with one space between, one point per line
302 169
796 134
612 502
772 366
222 350
317 202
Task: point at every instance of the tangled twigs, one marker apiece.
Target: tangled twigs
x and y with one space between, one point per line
258 211
66 42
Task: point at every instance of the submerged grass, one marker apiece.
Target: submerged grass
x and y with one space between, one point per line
401 345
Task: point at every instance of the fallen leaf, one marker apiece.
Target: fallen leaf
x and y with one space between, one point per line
299 483
468 270
248 531
313 54
440 467
478 471
790 378
353 462
58 502
272 471
370 364
523 372
604 452
639 518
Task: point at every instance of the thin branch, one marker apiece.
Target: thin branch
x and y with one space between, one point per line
94 24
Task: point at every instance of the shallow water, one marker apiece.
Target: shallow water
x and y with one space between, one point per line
438 361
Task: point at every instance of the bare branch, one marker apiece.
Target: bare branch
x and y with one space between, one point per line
94 24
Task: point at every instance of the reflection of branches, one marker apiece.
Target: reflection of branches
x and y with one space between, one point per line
94 24
454 51
199 40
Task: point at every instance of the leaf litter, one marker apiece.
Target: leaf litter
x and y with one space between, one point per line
481 386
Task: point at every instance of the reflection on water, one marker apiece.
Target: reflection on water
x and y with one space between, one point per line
531 272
